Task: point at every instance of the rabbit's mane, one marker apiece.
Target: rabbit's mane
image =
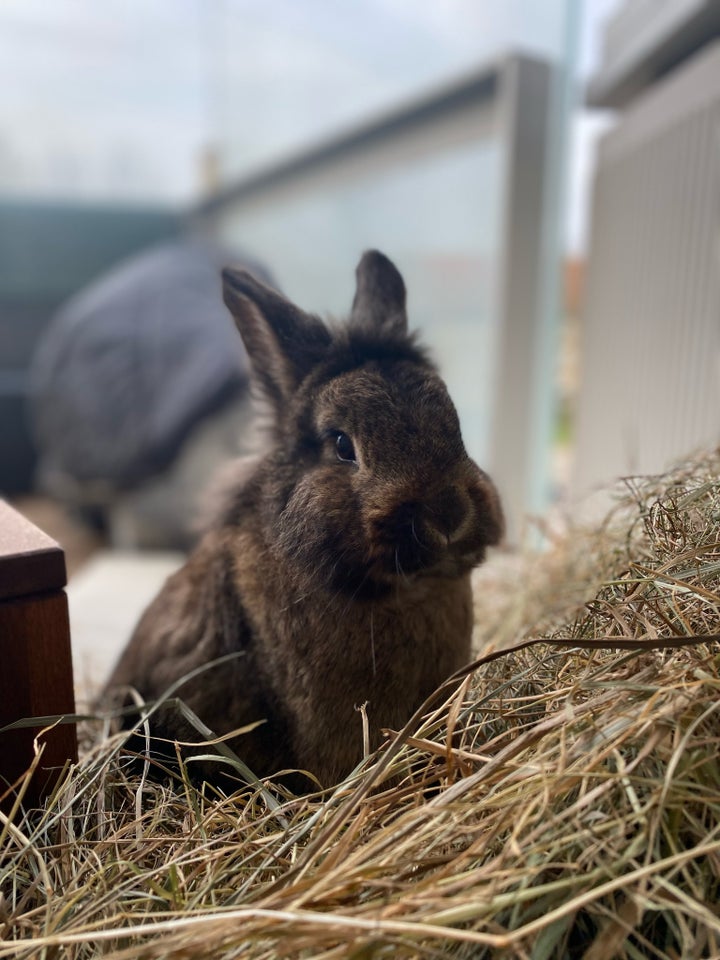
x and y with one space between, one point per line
353 346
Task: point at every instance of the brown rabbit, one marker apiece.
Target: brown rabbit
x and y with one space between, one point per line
340 569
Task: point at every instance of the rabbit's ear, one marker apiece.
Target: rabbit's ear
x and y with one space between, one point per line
282 341
380 295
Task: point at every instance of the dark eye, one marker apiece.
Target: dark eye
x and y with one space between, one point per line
344 448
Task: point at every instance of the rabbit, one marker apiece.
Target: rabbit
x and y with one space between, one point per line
339 570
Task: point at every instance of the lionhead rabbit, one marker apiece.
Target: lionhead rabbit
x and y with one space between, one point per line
340 568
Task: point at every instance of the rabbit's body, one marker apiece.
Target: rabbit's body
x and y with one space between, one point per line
340 567
390 653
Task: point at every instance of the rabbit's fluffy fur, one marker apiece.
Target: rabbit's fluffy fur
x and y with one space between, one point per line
340 568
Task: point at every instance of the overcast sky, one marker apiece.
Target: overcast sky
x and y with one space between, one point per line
119 98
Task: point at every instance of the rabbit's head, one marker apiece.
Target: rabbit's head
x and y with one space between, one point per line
367 484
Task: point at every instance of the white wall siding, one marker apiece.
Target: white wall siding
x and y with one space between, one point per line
650 374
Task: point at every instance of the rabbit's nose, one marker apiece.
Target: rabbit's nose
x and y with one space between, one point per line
447 513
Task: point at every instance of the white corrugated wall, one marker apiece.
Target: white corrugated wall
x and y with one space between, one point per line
650 356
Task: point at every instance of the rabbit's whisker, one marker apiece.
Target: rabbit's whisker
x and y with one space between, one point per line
414 533
338 593
354 594
400 572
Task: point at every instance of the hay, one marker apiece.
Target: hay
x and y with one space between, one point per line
559 802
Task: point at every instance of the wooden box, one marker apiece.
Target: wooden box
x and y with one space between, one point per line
36 677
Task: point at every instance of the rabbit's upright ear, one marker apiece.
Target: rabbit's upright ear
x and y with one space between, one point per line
282 341
380 295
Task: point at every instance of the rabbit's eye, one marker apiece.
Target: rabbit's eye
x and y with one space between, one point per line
344 448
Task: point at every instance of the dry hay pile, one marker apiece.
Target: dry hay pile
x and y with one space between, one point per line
563 802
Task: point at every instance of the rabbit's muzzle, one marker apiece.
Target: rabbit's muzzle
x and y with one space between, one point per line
443 533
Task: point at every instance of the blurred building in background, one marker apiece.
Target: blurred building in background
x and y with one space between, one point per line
299 134
649 385
304 133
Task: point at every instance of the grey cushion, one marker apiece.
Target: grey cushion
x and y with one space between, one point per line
129 366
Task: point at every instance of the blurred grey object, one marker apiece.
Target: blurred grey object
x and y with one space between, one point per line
140 390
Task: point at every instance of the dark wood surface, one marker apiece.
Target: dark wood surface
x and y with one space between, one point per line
36 666
30 561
